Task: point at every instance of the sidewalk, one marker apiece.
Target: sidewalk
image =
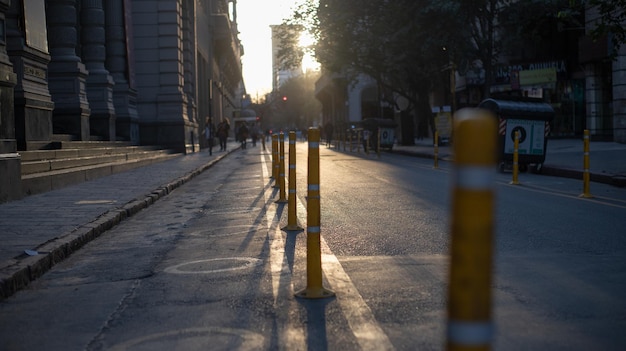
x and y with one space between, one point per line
564 158
41 230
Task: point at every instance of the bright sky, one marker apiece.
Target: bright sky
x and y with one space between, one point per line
254 18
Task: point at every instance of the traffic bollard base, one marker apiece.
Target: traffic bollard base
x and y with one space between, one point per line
292 228
586 196
281 201
315 293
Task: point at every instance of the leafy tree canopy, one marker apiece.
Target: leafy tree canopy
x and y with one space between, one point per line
611 18
407 45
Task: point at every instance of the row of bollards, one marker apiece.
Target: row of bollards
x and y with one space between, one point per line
586 172
469 309
314 288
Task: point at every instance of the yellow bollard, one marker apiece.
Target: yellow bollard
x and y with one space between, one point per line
281 169
378 143
275 160
469 296
515 180
436 154
263 140
292 220
274 156
586 174
314 289
350 139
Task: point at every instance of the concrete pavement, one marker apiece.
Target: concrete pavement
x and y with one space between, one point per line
41 230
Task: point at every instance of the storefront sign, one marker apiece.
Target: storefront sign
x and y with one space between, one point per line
503 73
538 76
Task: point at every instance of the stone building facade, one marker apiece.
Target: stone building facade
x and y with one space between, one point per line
149 72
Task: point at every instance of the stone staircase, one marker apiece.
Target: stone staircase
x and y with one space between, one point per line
64 163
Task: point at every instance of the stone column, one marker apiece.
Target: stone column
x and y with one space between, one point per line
99 82
67 74
120 65
190 73
27 48
10 163
162 103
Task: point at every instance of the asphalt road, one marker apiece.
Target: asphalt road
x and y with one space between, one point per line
208 266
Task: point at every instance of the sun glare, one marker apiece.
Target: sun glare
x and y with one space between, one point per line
308 61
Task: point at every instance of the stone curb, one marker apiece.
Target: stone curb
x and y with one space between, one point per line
22 270
604 178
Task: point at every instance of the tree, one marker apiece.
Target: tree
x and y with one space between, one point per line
289 54
293 105
611 19
410 47
405 45
300 109
536 32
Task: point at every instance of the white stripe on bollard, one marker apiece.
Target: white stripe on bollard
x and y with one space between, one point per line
474 178
470 333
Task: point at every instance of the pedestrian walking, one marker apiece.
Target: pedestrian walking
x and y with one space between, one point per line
222 133
243 135
209 134
328 132
254 134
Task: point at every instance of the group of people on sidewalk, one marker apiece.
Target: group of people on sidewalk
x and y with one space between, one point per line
220 132
242 133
